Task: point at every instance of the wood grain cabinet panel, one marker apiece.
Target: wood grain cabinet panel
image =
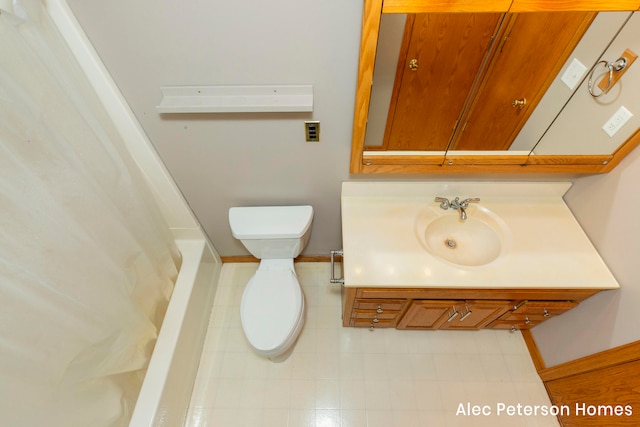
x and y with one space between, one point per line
431 88
529 54
604 397
429 314
376 313
476 314
602 389
527 314
452 314
438 104
454 308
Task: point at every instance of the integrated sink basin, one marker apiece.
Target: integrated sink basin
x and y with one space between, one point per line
518 235
478 240
470 242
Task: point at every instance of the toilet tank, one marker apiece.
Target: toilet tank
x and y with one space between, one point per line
272 231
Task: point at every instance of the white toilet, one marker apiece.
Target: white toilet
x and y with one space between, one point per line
272 308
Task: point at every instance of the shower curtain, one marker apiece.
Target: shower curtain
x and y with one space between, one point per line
87 264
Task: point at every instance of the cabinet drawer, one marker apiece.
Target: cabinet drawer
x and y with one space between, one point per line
511 325
517 322
527 314
370 314
368 323
543 308
524 318
377 313
379 304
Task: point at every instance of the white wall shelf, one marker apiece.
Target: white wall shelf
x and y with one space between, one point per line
236 99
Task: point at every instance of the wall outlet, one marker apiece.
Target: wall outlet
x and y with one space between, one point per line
616 121
574 73
312 131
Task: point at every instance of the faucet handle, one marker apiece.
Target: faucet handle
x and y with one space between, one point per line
444 202
466 202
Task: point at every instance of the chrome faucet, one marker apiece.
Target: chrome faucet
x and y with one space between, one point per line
456 204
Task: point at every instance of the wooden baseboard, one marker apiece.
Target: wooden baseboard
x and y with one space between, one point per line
534 352
251 258
615 356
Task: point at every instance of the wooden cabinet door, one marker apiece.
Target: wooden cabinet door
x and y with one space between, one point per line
427 314
438 64
477 314
452 314
530 53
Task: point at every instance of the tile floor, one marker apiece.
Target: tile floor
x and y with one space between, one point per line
351 377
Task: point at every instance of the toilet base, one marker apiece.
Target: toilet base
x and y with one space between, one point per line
284 356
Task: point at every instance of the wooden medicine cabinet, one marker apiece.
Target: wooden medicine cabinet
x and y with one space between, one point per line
491 87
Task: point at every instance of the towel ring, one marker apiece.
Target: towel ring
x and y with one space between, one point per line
612 66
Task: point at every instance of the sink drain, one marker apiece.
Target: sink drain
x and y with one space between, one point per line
450 243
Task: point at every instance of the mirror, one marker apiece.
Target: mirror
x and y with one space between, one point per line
553 137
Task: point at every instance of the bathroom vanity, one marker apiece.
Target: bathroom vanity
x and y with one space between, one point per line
518 258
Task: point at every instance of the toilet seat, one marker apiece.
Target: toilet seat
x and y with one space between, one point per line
271 308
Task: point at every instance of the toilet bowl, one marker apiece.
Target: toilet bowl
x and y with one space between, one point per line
272 309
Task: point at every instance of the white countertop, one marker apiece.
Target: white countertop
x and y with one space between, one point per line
544 246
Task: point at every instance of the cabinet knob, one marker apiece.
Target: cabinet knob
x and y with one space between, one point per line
546 313
379 310
519 102
375 319
413 65
526 320
371 327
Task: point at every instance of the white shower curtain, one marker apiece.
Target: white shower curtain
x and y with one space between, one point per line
86 262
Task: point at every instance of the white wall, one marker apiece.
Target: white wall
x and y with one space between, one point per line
607 207
224 160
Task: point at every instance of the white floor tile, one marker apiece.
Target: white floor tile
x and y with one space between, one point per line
328 366
352 377
380 418
303 394
428 396
274 417
375 365
423 366
278 394
402 395
353 418
407 419
377 394
352 394
327 394
302 418
351 366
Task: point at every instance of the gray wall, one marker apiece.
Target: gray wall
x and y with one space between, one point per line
607 208
225 160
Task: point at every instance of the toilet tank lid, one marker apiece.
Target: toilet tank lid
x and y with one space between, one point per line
273 222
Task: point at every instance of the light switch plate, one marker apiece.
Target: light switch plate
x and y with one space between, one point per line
616 121
574 73
312 131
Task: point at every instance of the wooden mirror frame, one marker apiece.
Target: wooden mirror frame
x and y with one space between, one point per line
459 164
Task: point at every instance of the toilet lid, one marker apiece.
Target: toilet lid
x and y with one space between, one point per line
270 308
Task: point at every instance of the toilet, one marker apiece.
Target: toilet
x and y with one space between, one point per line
272 308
